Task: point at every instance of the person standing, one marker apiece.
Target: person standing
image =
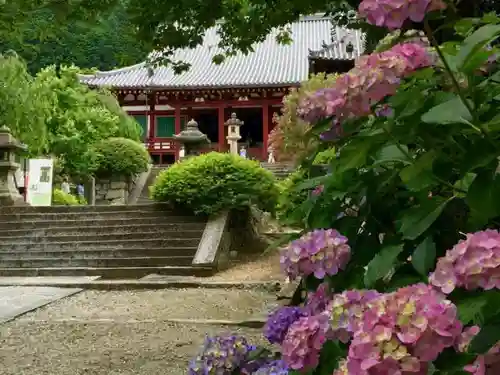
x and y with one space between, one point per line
65 186
80 192
243 152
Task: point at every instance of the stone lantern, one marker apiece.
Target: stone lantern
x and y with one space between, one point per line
233 133
9 147
192 138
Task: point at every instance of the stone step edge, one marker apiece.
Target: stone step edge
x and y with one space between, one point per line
79 242
124 284
76 258
105 250
256 323
105 227
83 233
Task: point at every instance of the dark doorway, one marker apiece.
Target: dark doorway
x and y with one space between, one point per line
207 123
251 131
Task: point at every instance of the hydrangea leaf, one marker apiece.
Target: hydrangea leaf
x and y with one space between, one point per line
485 339
424 256
419 218
418 176
474 43
381 264
450 112
469 309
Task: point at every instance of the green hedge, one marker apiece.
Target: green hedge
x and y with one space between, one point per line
214 182
60 198
121 156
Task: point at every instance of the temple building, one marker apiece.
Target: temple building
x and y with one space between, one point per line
252 86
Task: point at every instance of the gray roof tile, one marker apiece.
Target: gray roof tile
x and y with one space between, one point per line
271 64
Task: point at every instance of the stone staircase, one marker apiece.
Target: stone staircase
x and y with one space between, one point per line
109 241
144 197
280 170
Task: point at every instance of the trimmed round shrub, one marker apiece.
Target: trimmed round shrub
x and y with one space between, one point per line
121 156
60 198
213 182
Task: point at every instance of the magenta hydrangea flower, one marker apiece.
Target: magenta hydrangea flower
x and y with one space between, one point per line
320 252
401 332
303 342
278 323
393 13
486 364
373 78
220 355
318 301
347 310
472 263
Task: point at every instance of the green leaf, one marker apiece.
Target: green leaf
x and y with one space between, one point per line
424 256
450 112
418 219
418 176
482 197
470 309
311 183
381 264
464 184
391 153
487 337
474 43
330 356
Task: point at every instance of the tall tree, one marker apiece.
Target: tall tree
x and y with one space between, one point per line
105 44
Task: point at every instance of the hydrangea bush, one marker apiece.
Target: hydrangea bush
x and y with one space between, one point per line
407 282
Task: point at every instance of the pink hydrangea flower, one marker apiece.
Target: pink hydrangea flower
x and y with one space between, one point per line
472 263
303 342
393 13
317 302
373 78
346 312
487 364
320 252
401 332
466 337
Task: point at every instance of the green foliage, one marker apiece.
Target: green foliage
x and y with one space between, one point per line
325 157
121 156
60 198
214 182
291 197
291 139
105 45
58 116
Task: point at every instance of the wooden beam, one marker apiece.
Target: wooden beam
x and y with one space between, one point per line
220 124
265 128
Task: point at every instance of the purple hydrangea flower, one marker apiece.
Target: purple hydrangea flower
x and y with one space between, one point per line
318 301
320 253
278 323
278 367
220 355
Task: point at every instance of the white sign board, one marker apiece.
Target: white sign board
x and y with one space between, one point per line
39 189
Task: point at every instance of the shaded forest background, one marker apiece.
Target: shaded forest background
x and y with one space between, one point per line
105 44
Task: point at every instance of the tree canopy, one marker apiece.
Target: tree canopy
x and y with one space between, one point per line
105 44
54 114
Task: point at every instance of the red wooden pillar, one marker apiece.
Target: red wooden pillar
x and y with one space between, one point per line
152 117
177 114
265 128
220 124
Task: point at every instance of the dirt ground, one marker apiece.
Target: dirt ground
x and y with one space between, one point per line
263 268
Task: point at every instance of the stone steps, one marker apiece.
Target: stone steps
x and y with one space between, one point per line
181 235
141 261
99 226
104 253
98 240
96 244
107 272
150 222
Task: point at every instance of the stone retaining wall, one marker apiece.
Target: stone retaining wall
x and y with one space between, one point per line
113 190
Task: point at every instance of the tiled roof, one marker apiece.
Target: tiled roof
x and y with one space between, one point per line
346 45
271 64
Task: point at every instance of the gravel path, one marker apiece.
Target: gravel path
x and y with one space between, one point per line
121 306
34 348
123 332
